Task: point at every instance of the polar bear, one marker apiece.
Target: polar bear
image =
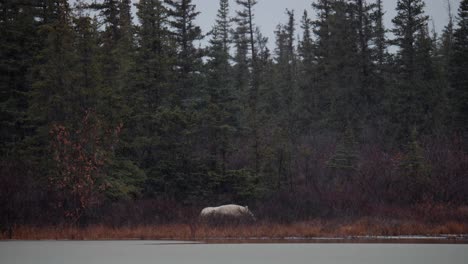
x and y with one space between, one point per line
230 213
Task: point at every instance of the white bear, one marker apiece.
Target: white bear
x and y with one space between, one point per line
230 213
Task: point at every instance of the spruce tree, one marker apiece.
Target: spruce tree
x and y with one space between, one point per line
323 51
116 93
409 21
86 43
246 39
381 70
116 58
459 72
220 116
415 172
241 65
367 91
447 40
169 92
336 53
381 42
413 64
54 75
182 17
285 116
55 102
153 75
18 46
307 74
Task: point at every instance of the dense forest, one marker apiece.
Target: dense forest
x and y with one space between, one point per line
123 118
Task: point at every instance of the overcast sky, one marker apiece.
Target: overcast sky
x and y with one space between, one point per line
271 12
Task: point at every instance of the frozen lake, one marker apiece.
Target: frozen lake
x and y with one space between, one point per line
168 252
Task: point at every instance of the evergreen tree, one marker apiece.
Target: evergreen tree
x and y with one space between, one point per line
86 44
415 171
409 21
413 65
343 165
18 46
169 97
53 98
367 91
182 16
116 59
117 63
285 114
380 38
241 65
381 79
340 79
459 71
345 157
447 40
54 75
220 116
307 74
323 52
153 75
246 38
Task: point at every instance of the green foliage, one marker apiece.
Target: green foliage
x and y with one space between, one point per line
458 71
17 50
125 181
188 57
232 122
416 171
409 21
418 98
345 157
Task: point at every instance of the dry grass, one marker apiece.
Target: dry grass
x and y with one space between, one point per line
311 229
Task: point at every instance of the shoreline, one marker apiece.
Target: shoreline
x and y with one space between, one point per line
360 230
441 240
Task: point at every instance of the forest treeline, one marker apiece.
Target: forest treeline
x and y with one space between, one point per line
114 117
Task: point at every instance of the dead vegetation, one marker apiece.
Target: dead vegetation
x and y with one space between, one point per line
309 229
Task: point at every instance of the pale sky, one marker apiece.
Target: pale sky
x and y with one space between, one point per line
271 12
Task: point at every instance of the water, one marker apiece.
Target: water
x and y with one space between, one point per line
165 252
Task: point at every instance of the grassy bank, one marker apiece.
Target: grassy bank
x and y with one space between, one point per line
311 229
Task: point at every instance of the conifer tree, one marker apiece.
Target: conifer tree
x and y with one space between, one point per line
220 114
171 99
307 74
459 71
118 74
116 58
285 117
447 40
182 16
241 64
380 38
345 157
323 47
153 75
53 98
409 21
86 42
381 70
364 29
54 76
415 171
336 65
18 46
410 92
246 38
286 62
